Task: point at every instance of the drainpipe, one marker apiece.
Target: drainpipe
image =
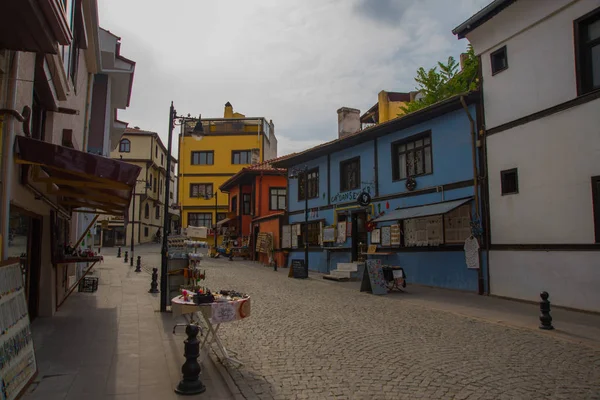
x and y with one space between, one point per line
475 183
8 156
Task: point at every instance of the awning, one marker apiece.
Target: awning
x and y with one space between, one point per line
422 211
224 221
80 180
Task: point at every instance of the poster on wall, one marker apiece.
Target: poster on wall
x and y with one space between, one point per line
17 355
341 230
294 239
329 234
395 235
472 252
386 236
376 236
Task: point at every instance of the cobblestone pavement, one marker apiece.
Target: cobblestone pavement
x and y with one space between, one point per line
314 339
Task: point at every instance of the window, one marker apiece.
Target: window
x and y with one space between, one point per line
246 203
147 211
146 231
156 151
125 146
162 159
203 157
596 205
38 118
201 190
412 157
457 225
154 187
313 184
587 48
234 204
171 195
277 199
221 216
241 157
200 219
160 186
499 60
157 212
509 181
350 174
314 230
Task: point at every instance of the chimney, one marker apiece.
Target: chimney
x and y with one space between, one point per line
348 121
228 110
463 59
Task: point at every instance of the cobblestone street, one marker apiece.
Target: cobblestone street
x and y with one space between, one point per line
313 339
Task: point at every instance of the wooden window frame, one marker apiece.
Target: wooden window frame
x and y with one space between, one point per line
493 54
122 146
157 212
344 185
278 196
239 153
596 206
146 231
583 70
200 216
246 203
234 206
147 211
313 187
396 153
200 184
313 234
199 153
505 172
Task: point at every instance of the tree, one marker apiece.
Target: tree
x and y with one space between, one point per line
437 85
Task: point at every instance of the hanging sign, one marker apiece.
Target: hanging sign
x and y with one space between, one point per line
364 199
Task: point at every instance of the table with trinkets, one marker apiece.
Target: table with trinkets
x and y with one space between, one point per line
226 306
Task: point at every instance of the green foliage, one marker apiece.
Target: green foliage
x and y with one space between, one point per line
436 85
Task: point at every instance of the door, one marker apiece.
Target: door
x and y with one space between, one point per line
108 238
35 265
359 232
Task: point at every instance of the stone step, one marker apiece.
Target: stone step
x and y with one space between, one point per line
334 278
340 274
350 267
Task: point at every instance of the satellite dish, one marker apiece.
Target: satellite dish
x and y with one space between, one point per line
419 96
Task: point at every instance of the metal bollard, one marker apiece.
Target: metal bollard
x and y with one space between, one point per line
154 283
119 253
138 264
191 383
545 317
126 257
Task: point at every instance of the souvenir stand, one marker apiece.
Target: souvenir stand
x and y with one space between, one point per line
184 256
18 365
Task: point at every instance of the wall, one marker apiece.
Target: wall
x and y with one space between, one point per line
293 203
571 278
263 193
537 55
140 148
98 114
554 203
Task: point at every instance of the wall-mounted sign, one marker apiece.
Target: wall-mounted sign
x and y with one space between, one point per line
364 199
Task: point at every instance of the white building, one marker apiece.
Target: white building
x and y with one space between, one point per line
540 64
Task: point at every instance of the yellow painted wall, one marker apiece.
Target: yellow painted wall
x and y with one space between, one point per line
388 110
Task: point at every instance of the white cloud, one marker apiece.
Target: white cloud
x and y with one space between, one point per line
293 62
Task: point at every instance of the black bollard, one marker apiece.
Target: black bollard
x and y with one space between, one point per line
126 256
274 265
191 383
154 283
545 317
138 264
119 253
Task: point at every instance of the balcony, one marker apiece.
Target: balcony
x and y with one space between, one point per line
232 126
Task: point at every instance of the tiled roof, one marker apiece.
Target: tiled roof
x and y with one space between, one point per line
265 166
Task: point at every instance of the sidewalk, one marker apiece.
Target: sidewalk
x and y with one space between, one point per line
113 344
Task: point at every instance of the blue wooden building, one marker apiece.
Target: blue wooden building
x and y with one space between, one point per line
422 173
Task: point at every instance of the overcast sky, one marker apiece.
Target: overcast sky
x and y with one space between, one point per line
295 62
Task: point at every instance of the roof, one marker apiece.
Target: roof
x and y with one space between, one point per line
382 129
484 15
263 167
141 132
422 211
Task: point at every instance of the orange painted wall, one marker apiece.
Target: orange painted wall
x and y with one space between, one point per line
272 226
246 219
263 193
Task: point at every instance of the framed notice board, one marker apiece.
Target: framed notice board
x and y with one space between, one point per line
299 270
18 365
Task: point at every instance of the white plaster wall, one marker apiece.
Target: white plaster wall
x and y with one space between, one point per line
571 278
541 63
556 157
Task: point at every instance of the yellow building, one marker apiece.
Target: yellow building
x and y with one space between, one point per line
146 212
226 146
388 106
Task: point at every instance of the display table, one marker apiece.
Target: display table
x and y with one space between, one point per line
214 314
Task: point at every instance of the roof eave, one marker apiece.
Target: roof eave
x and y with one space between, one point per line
484 15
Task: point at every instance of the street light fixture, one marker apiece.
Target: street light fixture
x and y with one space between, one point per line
198 130
296 173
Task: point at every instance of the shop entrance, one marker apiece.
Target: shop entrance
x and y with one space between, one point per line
359 232
108 238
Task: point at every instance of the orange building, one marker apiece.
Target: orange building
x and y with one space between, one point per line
257 205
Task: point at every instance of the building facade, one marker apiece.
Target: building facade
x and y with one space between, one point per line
146 213
258 201
541 91
226 146
420 172
49 57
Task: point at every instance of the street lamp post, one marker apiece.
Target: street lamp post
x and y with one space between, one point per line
133 218
198 129
296 174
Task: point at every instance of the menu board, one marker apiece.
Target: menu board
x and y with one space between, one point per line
329 234
299 270
17 356
373 280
